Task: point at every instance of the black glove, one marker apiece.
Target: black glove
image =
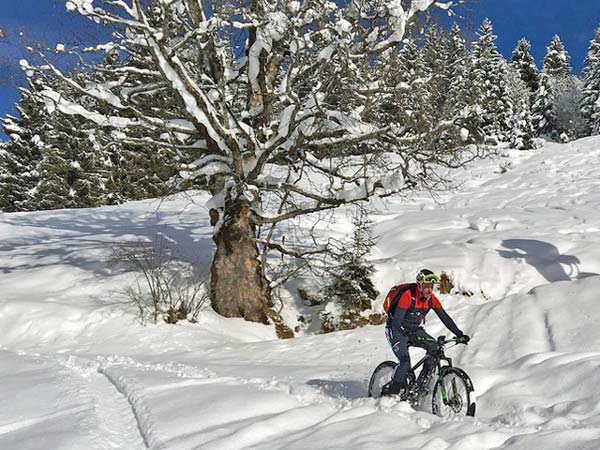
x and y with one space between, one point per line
463 339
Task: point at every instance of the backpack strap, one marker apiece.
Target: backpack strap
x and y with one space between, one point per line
413 299
413 295
430 305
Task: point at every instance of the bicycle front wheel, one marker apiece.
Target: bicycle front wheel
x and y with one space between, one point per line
452 394
381 375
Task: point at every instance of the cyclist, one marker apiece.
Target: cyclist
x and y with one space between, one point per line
403 328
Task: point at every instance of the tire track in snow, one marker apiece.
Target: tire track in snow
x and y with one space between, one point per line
112 422
549 331
544 325
135 409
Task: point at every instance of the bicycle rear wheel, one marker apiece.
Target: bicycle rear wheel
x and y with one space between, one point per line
382 374
452 394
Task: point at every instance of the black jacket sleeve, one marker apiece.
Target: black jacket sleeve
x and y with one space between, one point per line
448 322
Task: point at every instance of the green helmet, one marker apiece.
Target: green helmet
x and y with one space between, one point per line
427 276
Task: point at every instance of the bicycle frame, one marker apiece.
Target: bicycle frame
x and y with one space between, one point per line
419 387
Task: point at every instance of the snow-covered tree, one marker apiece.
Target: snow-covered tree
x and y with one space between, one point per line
20 157
426 72
543 109
72 172
523 62
523 133
410 73
410 103
557 62
351 286
590 105
139 173
555 77
488 85
279 97
65 170
556 108
61 160
445 58
567 98
461 99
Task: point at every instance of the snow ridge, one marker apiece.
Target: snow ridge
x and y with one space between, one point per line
142 415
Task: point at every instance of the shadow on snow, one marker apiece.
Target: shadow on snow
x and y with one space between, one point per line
545 258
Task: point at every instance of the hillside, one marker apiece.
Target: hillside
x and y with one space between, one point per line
521 234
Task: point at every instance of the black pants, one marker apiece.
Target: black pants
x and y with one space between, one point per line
401 340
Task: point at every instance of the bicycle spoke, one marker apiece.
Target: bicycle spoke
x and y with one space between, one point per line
451 396
382 375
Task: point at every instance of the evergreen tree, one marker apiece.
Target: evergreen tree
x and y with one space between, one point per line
404 106
456 52
524 63
567 99
556 112
523 132
140 173
557 62
21 155
488 82
460 103
72 174
416 102
56 159
351 285
444 57
543 110
590 109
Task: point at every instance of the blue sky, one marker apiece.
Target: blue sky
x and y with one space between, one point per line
537 20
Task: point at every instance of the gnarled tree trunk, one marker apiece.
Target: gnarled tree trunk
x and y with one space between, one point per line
237 286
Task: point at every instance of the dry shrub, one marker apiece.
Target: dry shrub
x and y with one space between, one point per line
167 286
446 284
282 330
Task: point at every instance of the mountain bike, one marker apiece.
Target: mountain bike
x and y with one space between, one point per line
452 394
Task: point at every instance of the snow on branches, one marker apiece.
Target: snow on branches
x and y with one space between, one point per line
264 84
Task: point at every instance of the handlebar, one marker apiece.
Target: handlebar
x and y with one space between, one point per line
441 340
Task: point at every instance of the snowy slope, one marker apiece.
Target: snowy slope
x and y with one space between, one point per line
78 372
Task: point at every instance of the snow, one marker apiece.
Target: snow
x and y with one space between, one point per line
464 134
284 120
102 92
53 100
84 7
190 101
78 370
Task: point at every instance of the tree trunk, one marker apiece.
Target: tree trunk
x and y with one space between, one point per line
237 286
